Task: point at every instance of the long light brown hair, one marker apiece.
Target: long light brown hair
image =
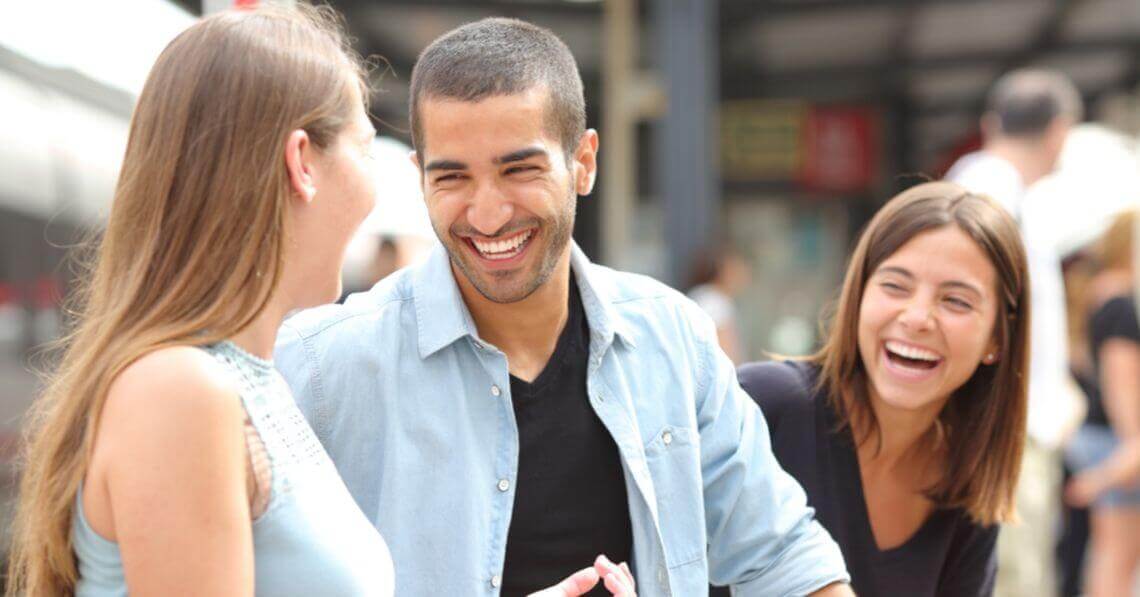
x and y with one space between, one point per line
1114 249
983 424
192 251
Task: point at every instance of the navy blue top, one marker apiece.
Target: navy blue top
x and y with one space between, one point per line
949 554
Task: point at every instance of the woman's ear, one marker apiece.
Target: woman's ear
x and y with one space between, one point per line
992 354
298 162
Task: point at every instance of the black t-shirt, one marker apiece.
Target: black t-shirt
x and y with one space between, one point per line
1114 319
570 498
948 556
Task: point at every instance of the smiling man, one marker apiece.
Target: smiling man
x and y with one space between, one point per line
507 411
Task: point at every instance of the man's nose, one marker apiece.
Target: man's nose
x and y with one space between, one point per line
489 211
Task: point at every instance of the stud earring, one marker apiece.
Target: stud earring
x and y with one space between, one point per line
990 358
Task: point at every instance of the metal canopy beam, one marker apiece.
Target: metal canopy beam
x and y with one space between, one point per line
751 78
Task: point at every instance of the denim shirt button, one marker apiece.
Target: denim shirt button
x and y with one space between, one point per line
496 581
667 438
504 485
495 391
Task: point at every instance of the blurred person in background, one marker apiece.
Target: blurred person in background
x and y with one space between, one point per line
383 261
386 260
166 455
1105 454
906 428
507 406
1028 115
718 278
1078 271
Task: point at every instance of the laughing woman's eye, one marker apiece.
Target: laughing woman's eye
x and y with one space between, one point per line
959 304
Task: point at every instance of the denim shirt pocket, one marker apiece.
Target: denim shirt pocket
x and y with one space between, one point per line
674 461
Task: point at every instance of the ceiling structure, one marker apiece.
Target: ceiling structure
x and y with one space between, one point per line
926 63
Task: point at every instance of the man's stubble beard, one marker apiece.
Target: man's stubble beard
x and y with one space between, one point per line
555 233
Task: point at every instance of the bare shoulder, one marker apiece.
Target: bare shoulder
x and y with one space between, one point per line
1109 285
172 392
172 379
171 415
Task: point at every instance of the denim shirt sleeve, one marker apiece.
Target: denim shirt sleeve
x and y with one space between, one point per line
291 358
763 538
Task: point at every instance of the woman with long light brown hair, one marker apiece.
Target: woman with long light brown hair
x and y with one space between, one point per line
906 428
1105 453
165 455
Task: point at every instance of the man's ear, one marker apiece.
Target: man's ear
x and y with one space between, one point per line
586 162
298 163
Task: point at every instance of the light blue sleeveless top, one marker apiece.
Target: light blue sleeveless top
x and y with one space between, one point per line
312 538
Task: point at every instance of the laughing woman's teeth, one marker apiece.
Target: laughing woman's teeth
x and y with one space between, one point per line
911 352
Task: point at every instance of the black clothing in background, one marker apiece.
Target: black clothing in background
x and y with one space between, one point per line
570 498
947 556
1114 319
1073 541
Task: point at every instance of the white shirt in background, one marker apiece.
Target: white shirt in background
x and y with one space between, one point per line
1052 407
722 310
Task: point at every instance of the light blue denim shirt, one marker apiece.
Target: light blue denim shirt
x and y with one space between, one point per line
415 410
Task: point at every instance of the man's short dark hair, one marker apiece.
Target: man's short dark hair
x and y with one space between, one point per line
497 56
1025 102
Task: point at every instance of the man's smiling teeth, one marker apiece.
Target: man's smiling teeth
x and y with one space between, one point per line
911 352
502 248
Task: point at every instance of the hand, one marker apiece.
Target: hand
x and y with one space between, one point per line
837 589
1118 470
1085 487
576 584
617 578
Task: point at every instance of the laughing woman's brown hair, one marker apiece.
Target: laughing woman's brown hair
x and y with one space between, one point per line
906 428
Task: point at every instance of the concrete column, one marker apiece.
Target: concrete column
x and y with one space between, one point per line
618 173
686 146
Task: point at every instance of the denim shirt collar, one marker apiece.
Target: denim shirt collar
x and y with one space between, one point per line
442 316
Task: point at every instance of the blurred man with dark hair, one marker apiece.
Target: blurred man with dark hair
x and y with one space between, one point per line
1028 116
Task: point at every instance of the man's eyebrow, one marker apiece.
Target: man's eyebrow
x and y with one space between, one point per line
445 165
520 155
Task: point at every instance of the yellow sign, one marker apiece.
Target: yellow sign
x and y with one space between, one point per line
761 139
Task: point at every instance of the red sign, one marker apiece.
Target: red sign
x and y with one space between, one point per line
840 149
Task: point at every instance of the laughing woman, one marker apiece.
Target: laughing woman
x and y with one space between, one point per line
906 429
